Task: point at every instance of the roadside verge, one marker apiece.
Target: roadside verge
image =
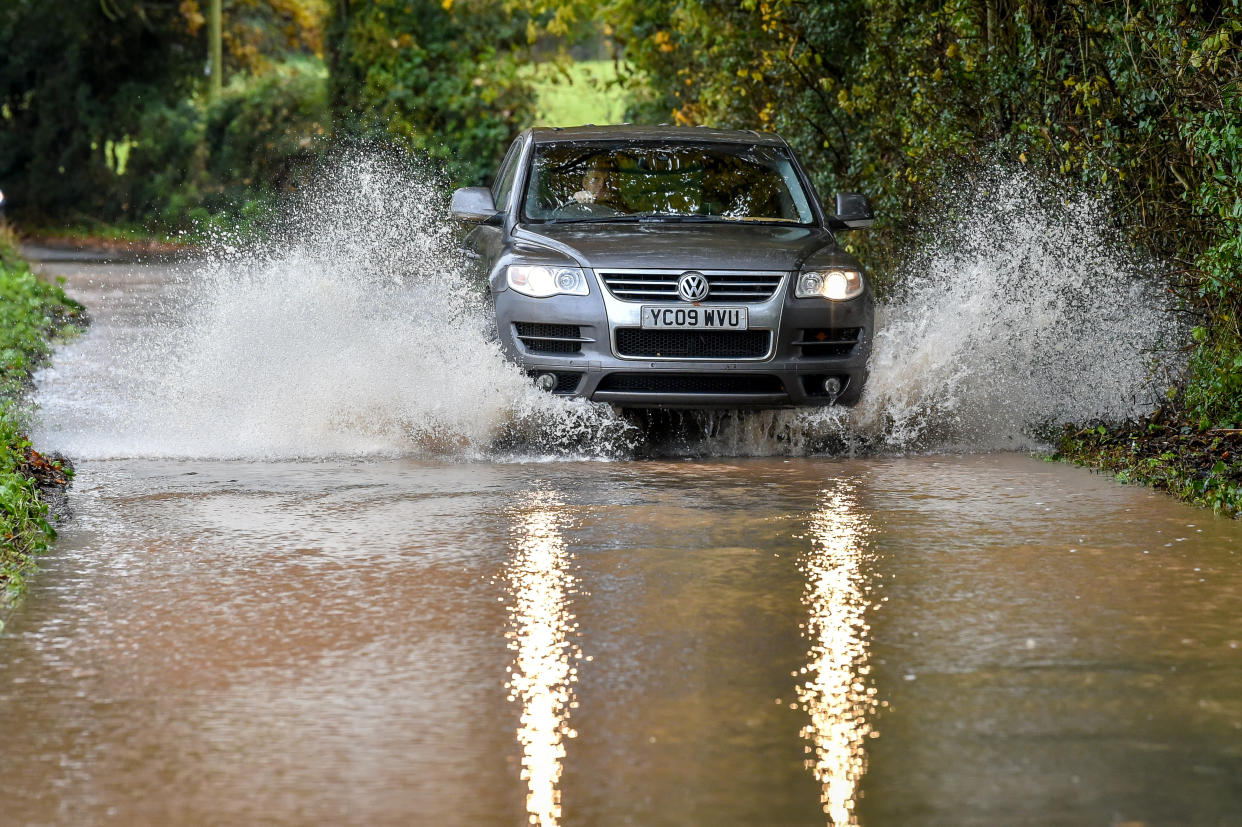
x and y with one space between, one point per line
1202 467
33 314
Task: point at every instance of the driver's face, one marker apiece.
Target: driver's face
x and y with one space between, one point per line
594 182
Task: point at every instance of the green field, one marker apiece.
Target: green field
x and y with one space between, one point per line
589 94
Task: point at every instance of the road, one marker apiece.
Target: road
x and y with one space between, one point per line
413 637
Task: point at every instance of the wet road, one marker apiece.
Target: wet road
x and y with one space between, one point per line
968 639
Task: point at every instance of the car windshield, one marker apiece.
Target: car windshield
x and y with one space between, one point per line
641 180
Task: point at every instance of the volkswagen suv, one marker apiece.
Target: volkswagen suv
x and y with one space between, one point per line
671 267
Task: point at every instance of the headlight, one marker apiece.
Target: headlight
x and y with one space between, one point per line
829 284
541 282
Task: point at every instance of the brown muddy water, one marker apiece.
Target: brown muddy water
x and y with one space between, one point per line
974 639
944 639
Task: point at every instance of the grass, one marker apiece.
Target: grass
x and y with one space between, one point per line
587 92
32 314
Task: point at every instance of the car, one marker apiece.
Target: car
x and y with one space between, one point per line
671 267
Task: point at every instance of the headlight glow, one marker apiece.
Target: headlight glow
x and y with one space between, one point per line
837 285
541 281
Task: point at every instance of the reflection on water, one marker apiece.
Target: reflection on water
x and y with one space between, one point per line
836 691
542 672
318 643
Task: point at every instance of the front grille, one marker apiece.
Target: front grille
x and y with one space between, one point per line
733 287
693 344
691 383
550 338
827 341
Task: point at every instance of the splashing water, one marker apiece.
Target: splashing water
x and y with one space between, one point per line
357 332
1024 311
1021 311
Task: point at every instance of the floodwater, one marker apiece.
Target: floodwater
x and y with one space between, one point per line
938 639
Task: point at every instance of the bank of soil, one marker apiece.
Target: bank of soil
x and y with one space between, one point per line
1164 452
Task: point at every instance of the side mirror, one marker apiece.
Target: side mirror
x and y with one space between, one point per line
853 212
473 204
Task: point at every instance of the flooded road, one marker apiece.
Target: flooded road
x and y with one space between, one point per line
953 639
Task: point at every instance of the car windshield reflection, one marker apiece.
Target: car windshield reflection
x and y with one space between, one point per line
660 181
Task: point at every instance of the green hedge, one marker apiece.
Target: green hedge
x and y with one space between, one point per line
204 161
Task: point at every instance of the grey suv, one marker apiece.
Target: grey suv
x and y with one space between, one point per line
671 267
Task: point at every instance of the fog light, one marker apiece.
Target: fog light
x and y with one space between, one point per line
546 382
832 386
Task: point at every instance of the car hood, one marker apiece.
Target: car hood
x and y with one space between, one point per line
659 245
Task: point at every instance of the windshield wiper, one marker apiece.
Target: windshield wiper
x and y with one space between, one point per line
600 218
644 217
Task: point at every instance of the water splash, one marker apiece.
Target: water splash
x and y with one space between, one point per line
1025 310
356 332
1021 310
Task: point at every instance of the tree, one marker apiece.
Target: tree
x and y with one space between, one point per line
74 81
434 76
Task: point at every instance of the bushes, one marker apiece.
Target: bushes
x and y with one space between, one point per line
31 312
1214 391
436 77
74 77
200 158
890 95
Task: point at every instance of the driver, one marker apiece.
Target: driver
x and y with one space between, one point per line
597 186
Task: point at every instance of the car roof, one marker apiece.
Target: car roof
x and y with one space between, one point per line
663 132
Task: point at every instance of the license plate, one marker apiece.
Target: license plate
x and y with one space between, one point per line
694 318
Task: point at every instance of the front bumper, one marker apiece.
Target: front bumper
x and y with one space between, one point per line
575 339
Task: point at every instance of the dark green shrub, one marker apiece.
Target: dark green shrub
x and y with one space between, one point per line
437 77
198 160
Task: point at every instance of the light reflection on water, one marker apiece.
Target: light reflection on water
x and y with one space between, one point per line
542 674
836 691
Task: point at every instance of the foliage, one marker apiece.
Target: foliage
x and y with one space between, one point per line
257 33
890 97
75 79
582 92
24 528
1214 391
228 157
1203 468
31 312
436 77
82 79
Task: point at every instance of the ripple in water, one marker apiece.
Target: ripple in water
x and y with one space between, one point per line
357 332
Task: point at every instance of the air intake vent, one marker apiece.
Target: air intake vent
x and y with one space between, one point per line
707 383
550 338
693 344
827 341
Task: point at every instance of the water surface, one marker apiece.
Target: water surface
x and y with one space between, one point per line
979 639
368 615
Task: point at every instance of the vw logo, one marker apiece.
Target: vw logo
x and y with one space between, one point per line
692 287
